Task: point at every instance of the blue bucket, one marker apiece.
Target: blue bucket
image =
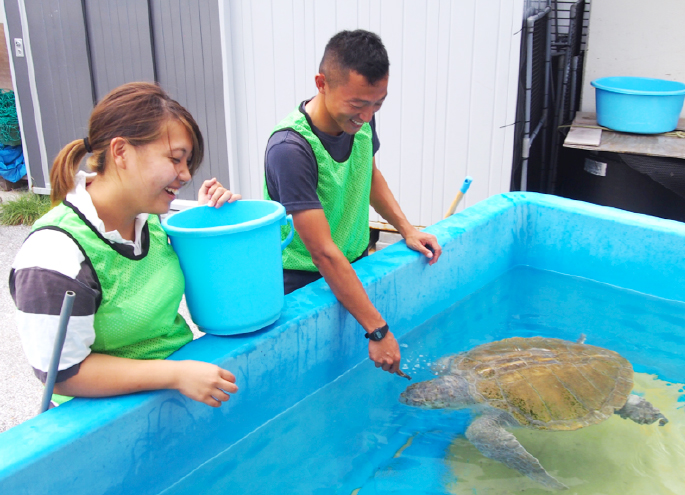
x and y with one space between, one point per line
231 260
638 104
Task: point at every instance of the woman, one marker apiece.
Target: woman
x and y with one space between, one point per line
103 240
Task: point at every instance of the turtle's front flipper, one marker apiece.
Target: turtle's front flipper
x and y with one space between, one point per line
641 411
493 441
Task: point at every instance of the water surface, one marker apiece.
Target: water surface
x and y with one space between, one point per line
354 437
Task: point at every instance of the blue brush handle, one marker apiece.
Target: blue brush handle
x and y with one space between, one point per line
467 183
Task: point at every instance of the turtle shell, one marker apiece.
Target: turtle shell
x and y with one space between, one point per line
547 383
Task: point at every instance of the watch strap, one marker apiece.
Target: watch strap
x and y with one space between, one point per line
378 333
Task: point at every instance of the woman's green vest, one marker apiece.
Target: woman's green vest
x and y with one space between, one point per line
137 316
343 188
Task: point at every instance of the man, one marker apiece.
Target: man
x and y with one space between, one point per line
320 165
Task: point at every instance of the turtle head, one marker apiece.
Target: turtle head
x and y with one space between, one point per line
445 392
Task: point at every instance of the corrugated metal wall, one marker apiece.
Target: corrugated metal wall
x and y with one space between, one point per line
58 48
120 43
450 110
452 91
187 43
80 50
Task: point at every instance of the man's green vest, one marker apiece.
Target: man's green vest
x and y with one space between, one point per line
137 316
343 188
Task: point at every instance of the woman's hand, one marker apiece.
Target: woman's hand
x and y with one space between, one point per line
101 375
204 382
212 193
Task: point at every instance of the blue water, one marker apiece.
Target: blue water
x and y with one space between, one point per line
353 436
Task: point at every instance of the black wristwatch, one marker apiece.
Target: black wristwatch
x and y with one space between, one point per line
378 333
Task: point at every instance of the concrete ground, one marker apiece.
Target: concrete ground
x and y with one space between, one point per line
20 390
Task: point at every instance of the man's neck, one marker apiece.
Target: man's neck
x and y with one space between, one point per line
316 109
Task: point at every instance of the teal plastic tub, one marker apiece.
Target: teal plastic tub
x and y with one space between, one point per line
231 260
638 104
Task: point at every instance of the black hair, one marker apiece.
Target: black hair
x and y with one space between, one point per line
361 51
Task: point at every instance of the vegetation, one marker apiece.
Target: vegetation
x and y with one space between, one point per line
24 210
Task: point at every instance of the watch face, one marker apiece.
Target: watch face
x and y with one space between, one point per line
378 333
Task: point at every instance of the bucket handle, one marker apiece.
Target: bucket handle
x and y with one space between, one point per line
291 232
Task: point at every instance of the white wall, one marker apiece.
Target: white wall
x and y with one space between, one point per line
634 38
452 92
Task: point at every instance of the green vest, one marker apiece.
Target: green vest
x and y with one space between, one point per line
344 190
137 316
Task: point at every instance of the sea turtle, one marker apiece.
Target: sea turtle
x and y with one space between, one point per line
541 383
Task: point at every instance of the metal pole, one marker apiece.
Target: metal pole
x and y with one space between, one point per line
525 152
64 315
528 137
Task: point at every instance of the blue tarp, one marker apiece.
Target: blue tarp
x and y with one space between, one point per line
12 166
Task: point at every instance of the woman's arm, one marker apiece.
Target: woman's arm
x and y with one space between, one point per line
101 375
37 283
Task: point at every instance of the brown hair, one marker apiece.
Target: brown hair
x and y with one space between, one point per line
136 112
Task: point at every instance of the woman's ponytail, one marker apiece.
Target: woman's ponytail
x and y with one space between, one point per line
64 170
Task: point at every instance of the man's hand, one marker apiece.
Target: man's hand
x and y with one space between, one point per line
424 243
387 206
385 353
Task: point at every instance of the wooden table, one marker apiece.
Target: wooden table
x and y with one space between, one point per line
587 138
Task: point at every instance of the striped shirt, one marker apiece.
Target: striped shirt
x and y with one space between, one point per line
48 264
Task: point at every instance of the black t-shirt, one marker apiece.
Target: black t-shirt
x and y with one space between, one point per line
292 173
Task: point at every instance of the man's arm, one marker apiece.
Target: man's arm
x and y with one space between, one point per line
387 206
315 232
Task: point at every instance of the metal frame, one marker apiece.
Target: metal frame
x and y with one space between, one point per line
528 135
569 49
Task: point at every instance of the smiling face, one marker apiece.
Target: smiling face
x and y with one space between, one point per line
350 103
160 169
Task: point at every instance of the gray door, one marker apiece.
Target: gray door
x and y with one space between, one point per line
81 49
55 110
187 45
120 43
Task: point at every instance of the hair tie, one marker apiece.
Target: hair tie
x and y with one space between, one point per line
87 145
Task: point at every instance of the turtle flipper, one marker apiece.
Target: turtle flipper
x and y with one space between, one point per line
641 411
493 441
